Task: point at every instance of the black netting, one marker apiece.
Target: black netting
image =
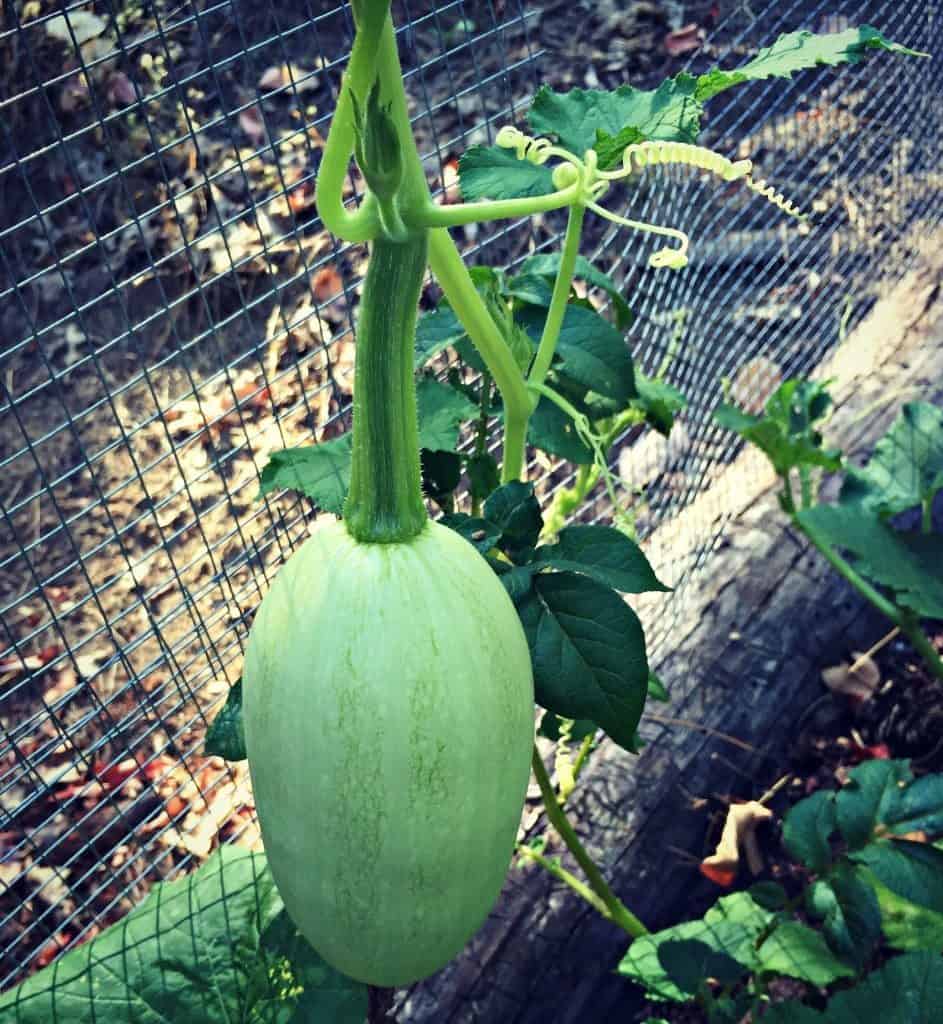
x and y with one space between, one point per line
171 310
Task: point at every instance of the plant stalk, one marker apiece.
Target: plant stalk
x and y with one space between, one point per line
385 504
616 910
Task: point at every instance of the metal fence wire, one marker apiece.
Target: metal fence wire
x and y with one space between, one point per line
171 310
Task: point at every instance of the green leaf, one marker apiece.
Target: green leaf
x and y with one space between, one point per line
489 172
442 410
798 951
326 994
806 830
730 927
910 564
321 472
906 925
657 689
690 962
851 914
797 51
906 467
547 265
769 895
584 119
659 402
226 736
912 870
918 807
441 473
514 509
481 533
588 653
871 794
483 475
581 728
552 430
785 432
435 332
604 554
517 580
591 351
192 952
531 289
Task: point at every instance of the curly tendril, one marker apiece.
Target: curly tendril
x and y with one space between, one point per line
635 157
648 154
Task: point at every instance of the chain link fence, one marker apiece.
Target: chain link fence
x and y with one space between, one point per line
172 311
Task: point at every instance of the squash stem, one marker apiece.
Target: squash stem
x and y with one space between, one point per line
616 910
384 504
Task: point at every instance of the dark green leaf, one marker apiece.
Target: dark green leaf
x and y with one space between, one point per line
911 564
906 467
531 289
659 402
552 430
605 554
769 895
547 266
483 475
798 951
327 995
797 51
807 827
189 953
906 925
591 351
479 532
850 912
584 119
320 472
516 512
906 990
657 689
912 870
730 927
918 807
581 728
436 331
226 736
442 410
690 962
517 580
588 652
441 473
872 793
488 172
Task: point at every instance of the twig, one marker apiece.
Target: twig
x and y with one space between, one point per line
688 724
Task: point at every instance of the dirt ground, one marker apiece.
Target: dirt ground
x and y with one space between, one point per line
171 312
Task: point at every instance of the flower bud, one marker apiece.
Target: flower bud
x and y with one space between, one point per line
377 146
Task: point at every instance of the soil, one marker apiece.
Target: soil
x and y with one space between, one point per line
903 719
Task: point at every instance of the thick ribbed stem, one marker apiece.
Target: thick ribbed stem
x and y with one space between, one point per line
384 504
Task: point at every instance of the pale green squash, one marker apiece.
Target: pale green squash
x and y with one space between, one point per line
389 724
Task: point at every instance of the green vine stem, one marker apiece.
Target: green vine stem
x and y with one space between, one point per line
561 293
567 877
615 909
467 304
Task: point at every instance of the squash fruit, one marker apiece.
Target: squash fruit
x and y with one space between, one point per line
388 693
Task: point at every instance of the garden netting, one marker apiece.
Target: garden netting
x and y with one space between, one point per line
171 311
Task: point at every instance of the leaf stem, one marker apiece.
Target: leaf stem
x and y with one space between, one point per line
467 304
910 627
435 216
561 293
567 877
615 909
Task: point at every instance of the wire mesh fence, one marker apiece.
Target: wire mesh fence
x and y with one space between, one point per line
172 311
